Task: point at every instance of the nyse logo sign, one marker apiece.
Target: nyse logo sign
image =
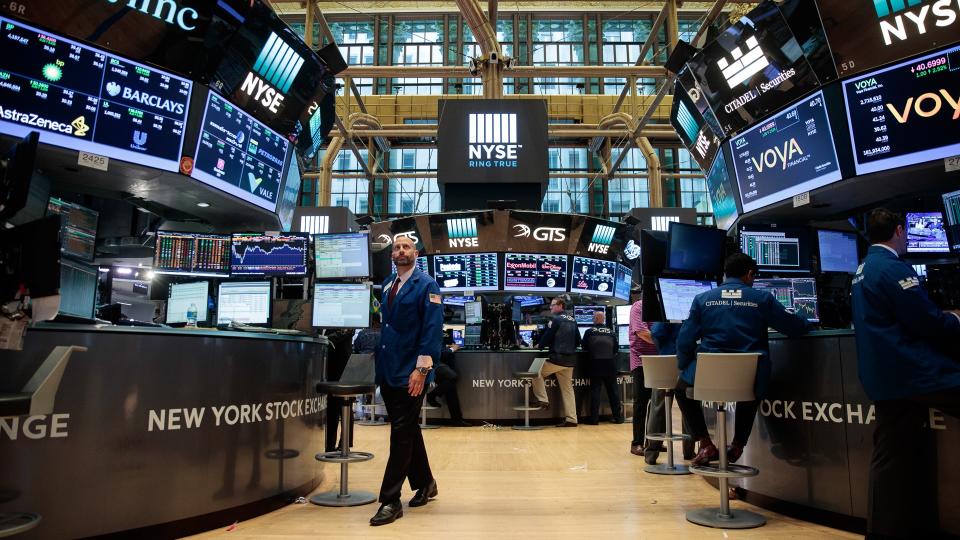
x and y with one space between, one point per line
278 66
704 143
602 237
542 234
315 224
662 223
492 140
687 122
462 232
900 20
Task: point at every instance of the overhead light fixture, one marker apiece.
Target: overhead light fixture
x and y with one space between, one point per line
124 271
203 204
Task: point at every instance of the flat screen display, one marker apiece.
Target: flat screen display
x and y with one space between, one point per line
269 255
194 254
752 69
798 295
906 113
342 255
584 314
926 233
786 155
838 251
692 129
535 273
457 300
623 336
624 282
85 99
288 202
239 155
623 314
78 228
78 289
951 205
677 296
341 305
529 301
244 302
466 272
593 276
473 312
696 249
183 296
421 264
723 199
782 249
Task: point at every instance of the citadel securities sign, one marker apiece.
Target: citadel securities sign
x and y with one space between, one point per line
485 140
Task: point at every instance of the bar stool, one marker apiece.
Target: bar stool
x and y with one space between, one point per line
358 368
723 378
427 407
660 372
371 408
627 403
527 378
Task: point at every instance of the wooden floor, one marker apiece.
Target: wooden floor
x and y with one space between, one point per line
500 483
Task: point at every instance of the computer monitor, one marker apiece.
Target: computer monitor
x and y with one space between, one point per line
245 302
593 276
471 335
341 305
623 314
777 249
259 254
526 333
30 257
584 314
529 301
677 296
695 249
78 228
456 332
623 336
926 233
78 289
530 272
457 300
473 312
466 272
838 251
421 263
340 256
951 206
624 282
798 295
192 254
184 295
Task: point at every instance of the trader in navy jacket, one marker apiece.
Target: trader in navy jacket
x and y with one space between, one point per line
410 341
732 318
907 358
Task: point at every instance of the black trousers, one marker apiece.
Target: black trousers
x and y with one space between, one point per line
902 498
408 455
692 411
641 398
613 395
447 387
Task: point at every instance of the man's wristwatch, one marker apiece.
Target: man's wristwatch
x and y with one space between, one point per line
424 370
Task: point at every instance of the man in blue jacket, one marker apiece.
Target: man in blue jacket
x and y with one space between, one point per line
732 318
410 341
904 348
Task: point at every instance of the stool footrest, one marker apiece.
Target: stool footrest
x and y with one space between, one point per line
665 437
521 408
732 471
429 407
338 457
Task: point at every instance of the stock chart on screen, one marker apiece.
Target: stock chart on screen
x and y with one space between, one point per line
259 254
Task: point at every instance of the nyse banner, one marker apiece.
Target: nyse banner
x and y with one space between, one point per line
468 232
692 128
864 34
907 113
500 141
752 69
599 238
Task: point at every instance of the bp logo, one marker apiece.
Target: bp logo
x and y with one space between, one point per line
462 232
901 17
602 237
276 68
492 142
744 64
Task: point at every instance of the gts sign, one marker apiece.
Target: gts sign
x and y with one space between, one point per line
926 105
541 234
772 157
917 21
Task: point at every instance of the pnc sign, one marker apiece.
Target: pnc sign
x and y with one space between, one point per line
165 10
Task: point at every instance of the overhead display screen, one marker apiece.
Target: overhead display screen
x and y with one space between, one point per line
81 98
239 155
269 255
722 197
593 276
951 203
692 128
786 155
342 255
193 254
78 228
755 67
466 272
906 113
926 233
624 282
535 273
864 34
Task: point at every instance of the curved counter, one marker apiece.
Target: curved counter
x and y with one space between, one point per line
163 429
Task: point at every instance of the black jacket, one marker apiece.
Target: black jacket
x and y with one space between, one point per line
562 338
601 344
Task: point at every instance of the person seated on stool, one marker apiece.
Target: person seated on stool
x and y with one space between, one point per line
563 338
446 377
601 344
730 319
908 362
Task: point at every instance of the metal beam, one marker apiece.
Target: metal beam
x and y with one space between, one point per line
463 72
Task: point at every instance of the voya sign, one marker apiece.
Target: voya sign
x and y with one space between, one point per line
165 10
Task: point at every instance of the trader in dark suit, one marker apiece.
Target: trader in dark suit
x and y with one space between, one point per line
601 344
409 345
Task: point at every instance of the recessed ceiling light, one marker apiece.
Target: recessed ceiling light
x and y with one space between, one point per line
203 204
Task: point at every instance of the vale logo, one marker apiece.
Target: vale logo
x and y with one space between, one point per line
277 66
902 19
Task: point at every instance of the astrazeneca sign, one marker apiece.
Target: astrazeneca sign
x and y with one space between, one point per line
492 141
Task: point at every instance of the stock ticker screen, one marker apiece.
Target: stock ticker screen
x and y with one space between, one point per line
535 273
268 255
593 276
78 228
192 254
798 295
466 272
85 99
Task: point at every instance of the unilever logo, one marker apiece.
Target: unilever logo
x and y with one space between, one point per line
462 232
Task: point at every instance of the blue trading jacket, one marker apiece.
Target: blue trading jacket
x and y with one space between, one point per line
665 337
412 326
734 318
903 338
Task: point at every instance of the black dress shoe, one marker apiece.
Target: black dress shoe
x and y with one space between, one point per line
388 513
432 401
460 423
566 423
424 494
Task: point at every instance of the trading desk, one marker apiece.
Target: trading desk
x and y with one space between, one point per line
152 426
